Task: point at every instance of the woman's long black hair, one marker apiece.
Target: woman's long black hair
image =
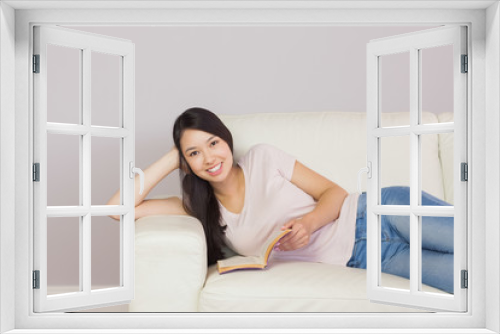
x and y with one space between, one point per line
198 195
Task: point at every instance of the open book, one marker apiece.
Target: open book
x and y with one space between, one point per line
252 262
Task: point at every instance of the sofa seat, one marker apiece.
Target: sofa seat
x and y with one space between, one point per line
294 287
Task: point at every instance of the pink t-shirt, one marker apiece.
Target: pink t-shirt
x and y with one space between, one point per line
271 200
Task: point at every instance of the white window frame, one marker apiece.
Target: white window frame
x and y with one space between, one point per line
412 44
484 146
86 44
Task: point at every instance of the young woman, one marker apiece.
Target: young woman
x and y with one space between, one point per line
241 204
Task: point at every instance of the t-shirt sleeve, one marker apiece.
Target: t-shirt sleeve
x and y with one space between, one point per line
272 158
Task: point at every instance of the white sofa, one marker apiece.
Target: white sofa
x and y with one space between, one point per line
171 270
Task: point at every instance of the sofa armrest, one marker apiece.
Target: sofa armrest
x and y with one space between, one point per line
170 264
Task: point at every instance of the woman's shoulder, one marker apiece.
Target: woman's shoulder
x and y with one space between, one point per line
269 156
258 154
263 149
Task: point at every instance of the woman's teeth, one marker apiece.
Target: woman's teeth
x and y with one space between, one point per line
216 168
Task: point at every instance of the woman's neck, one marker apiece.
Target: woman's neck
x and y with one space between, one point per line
232 187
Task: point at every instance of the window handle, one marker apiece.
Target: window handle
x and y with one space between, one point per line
135 170
368 171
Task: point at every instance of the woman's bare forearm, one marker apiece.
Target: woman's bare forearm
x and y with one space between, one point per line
152 176
327 208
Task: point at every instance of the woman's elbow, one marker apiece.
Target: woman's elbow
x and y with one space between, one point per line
344 193
339 191
115 217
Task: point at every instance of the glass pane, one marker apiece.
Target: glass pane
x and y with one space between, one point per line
394 76
437 254
105 168
395 252
436 84
106 252
63 170
106 89
63 84
63 255
437 168
395 164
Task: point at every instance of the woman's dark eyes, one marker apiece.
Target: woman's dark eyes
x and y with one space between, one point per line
195 153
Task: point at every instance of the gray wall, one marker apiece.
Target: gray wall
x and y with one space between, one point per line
229 70
241 70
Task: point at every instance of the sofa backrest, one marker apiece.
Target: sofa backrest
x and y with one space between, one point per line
334 145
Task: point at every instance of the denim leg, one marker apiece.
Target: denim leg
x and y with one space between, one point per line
437 267
437 241
437 270
358 259
396 257
437 232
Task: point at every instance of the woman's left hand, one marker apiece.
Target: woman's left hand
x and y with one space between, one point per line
298 238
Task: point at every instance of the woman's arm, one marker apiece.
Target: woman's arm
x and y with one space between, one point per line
152 176
329 196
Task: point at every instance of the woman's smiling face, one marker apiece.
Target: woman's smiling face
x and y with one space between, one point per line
209 157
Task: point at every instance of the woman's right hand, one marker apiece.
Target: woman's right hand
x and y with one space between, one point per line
174 156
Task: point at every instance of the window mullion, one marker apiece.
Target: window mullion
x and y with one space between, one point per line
80 211
127 184
85 244
416 241
80 130
85 165
415 258
422 129
397 210
415 184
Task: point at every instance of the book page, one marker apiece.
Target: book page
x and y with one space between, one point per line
268 246
252 262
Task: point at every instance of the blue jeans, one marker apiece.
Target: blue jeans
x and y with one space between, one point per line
437 240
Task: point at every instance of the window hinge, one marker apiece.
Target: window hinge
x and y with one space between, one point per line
36 172
464 171
465 64
36 63
36 279
465 279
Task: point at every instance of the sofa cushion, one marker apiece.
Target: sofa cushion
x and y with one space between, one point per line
334 145
294 287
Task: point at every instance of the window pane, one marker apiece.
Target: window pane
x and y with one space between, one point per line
394 76
395 163
63 170
437 167
437 254
63 255
106 252
105 168
436 83
106 89
395 251
63 84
